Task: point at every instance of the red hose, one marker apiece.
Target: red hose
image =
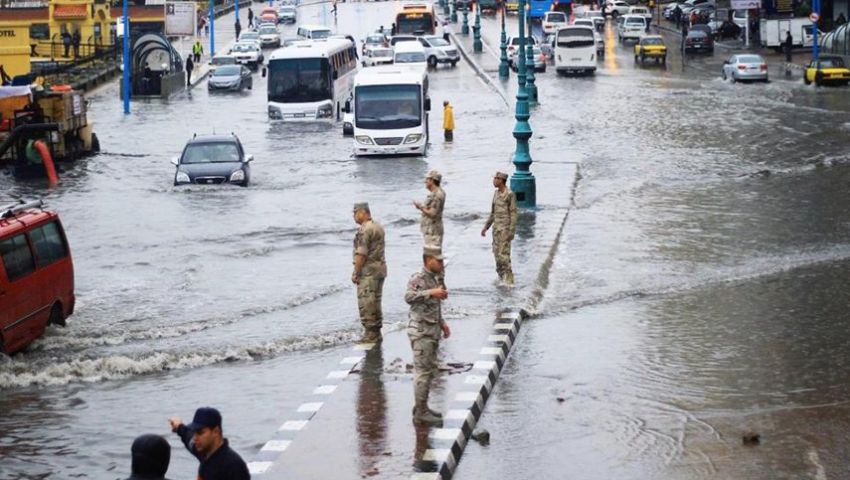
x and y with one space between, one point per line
49 167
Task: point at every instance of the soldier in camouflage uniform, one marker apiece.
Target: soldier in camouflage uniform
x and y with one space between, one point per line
503 215
425 291
370 269
431 224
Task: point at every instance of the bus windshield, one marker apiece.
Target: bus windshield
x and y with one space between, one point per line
411 23
383 107
299 80
575 38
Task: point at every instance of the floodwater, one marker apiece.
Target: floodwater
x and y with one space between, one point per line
696 296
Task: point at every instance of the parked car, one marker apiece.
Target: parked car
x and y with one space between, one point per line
632 28
744 67
211 160
220 60
248 53
513 45
231 78
615 8
827 70
651 47
539 61
377 56
37 274
552 21
269 37
698 41
287 14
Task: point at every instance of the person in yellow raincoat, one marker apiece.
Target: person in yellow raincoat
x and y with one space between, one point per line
448 121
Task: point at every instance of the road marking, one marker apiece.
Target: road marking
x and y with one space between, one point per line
276 445
337 374
436 455
351 360
457 414
483 365
466 397
491 351
310 407
445 433
324 390
498 338
293 425
256 468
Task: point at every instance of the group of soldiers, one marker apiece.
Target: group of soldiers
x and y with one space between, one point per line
426 289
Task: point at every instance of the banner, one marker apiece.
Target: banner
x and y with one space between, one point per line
180 18
745 4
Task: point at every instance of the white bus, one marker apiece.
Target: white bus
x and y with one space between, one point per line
391 108
575 50
311 80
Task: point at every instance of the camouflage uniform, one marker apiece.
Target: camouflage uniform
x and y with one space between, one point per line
432 226
369 242
423 329
503 216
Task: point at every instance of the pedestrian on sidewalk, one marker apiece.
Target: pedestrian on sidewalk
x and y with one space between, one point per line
425 292
392 29
190 65
431 223
197 50
75 42
503 217
238 27
66 40
448 121
370 270
151 455
205 440
789 44
447 31
250 18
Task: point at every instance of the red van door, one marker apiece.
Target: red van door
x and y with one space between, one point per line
24 322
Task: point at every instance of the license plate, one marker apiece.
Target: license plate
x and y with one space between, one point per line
575 59
299 115
209 181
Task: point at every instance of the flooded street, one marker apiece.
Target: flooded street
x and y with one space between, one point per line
697 295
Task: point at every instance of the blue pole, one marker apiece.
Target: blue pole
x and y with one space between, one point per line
236 10
815 49
211 22
126 76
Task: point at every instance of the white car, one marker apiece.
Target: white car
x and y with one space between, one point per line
615 8
597 17
642 12
247 53
250 36
552 21
600 42
377 56
439 51
410 55
513 45
632 28
689 5
269 36
287 14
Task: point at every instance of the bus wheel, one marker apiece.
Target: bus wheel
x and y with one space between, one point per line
432 61
56 317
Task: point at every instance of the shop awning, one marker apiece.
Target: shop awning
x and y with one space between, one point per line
66 12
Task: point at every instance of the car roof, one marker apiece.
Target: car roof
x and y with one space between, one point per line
402 47
213 138
19 221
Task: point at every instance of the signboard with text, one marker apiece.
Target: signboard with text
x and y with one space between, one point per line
180 18
745 4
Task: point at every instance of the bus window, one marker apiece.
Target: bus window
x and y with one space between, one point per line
299 80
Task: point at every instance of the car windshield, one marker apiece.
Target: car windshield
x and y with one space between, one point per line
320 34
382 52
634 21
556 18
227 71
223 60
375 39
575 37
286 9
296 80
268 31
437 42
831 63
515 40
652 41
249 36
750 59
217 152
243 47
388 106
410 57
697 34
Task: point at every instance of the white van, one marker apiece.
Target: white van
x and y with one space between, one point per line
575 49
410 55
314 32
631 28
552 21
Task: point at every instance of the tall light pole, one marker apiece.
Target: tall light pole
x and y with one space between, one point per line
477 46
211 22
454 11
522 181
503 47
126 42
464 29
816 16
530 86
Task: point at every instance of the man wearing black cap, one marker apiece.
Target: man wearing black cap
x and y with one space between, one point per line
205 440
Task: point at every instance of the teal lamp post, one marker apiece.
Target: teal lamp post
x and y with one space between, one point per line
531 86
446 11
464 29
522 181
477 46
503 47
454 11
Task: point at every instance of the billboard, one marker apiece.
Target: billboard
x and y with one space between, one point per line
180 18
745 4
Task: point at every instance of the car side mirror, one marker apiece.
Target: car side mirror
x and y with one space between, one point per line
264 72
175 161
427 104
249 158
347 107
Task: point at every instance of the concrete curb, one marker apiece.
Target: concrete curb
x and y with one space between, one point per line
467 406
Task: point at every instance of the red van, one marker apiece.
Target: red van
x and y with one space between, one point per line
36 274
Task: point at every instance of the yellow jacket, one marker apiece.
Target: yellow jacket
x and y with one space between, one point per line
448 118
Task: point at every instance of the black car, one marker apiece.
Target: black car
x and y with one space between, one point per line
231 78
211 160
698 41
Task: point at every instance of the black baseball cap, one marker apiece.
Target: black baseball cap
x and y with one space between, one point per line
205 417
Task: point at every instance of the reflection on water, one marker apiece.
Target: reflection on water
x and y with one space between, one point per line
371 411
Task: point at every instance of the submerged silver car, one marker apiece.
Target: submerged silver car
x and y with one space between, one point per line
230 77
745 67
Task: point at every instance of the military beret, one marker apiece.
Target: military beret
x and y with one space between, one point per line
433 251
361 206
502 175
434 175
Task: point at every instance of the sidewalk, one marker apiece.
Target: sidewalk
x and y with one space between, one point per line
225 34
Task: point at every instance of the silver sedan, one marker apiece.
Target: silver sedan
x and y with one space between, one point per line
745 67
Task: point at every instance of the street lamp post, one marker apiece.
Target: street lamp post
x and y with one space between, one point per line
211 23
477 46
446 11
503 47
126 45
454 11
464 29
531 86
522 181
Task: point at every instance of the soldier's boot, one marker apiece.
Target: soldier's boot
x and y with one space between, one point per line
424 415
509 278
371 335
431 411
